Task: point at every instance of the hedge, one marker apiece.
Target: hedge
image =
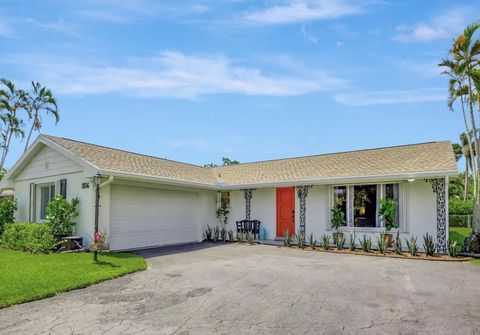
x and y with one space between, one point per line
458 207
29 237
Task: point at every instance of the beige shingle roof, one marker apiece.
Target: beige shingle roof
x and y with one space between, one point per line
433 158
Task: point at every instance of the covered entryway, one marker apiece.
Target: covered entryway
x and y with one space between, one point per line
285 211
146 217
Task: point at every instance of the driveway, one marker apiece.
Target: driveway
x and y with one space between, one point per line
241 289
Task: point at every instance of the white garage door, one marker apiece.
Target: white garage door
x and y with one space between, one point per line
143 217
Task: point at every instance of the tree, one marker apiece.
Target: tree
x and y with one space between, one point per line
12 100
40 99
225 162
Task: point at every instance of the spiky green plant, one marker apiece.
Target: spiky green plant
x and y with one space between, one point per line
412 245
366 243
250 237
230 235
325 242
340 241
452 248
287 239
216 234
300 239
429 245
240 236
312 241
223 234
382 243
397 244
208 233
353 241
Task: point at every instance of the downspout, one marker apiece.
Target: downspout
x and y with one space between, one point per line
109 181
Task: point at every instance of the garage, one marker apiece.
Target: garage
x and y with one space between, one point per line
148 217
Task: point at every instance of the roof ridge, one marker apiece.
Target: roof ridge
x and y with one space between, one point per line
330 154
121 150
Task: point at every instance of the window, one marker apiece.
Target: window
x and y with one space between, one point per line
47 193
361 203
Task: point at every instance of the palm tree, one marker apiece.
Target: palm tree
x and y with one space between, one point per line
11 101
41 99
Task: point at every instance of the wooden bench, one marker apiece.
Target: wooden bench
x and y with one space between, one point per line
246 226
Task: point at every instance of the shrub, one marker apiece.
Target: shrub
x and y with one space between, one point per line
240 236
352 242
429 245
382 243
338 218
287 239
230 235
61 214
452 248
412 246
387 211
300 239
223 234
208 233
397 244
340 241
216 234
458 207
366 243
7 213
250 237
29 237
312 241
325 241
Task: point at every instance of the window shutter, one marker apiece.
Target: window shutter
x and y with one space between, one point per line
32 203
63 188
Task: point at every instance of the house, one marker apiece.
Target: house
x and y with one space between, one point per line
148 201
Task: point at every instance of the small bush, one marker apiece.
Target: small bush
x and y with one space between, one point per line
240 236
412 246
216 234
340 241
325 242
287 239
7 213
459 207
230 235
397 244
61 215
223 234
208 234
452 248
382 243
312 241
352 242
429 245
299 239
250 237
29 237
366 243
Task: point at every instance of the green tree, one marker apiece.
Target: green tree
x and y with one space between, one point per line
40 100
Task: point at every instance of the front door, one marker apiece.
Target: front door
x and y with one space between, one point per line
285 211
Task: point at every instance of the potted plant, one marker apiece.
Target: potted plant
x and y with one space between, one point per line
388 211
100 242
338 220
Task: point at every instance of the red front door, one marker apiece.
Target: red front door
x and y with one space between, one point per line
285 211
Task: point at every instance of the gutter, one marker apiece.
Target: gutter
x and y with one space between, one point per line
109 181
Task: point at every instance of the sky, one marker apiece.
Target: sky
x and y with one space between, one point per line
195 81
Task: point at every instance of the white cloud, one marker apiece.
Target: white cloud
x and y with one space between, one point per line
170 74
392 97
308 36
303 10
60 26
445 25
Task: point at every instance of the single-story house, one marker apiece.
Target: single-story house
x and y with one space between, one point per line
149 201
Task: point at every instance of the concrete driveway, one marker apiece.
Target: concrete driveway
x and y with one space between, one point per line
240 289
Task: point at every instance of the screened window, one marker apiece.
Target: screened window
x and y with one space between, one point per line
47 193
365 206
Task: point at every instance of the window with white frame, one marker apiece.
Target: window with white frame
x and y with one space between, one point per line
361 203
47 193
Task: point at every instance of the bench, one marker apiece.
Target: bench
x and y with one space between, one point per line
246 226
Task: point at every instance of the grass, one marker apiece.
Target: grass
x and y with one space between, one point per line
25 277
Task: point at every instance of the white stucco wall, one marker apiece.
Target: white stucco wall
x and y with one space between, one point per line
418 211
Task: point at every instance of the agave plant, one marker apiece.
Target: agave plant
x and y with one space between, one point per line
352 242
216 234
287 239
412 246
208 233
366 243
230 235
240 236
250 237
325 241
397 244
340 241
300 239
312 241
382 243
429 245
452 248
223 234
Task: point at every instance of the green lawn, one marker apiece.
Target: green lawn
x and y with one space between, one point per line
25 277
459 234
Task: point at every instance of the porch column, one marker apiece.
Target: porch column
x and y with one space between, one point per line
302 193
248 193
439 188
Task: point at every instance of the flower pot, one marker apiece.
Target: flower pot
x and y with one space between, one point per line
99 246
388 238
335 236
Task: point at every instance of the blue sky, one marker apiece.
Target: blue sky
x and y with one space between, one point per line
197 80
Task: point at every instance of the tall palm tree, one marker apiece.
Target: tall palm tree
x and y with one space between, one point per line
11 101
467 154
40 99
